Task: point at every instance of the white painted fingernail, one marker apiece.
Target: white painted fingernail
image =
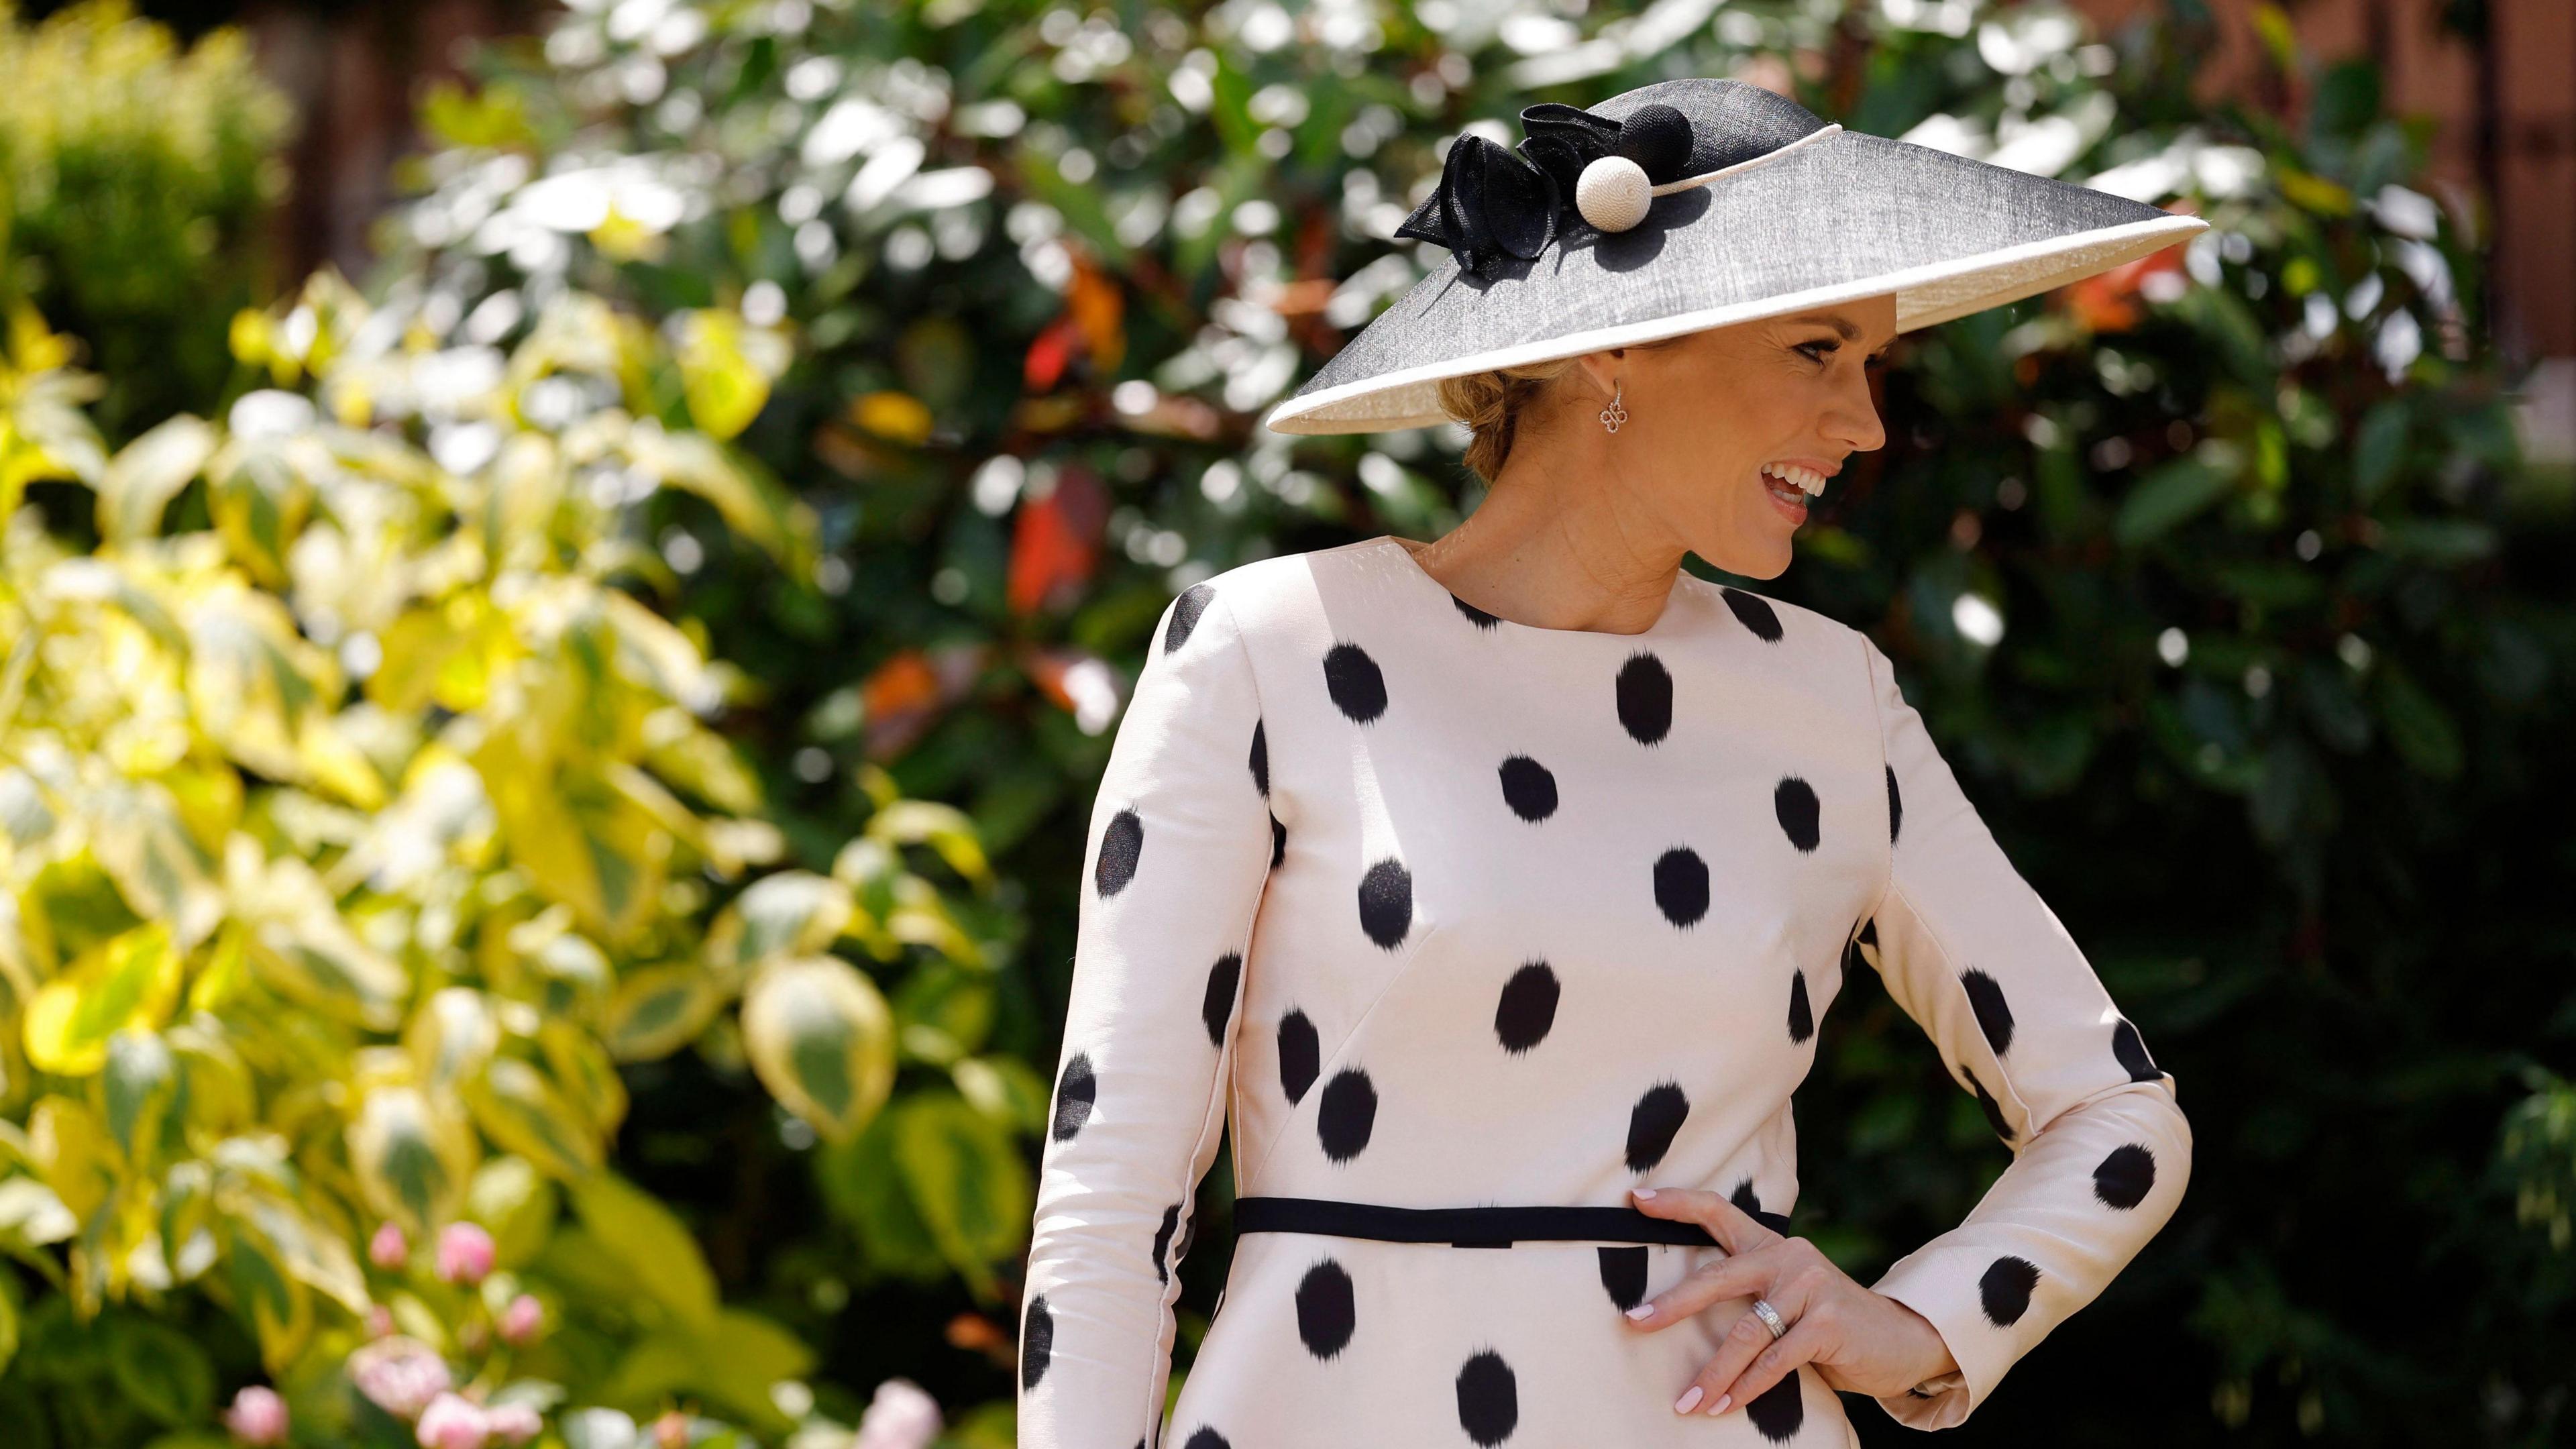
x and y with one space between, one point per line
1683 1404
1643 1191
1642 1310
1722 1401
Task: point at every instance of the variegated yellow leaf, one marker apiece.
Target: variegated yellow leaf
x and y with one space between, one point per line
411 1159
131 980
522 1112
658 1010
450 1037
317 960
791 913
159 868
821 1038
147 473
584 1073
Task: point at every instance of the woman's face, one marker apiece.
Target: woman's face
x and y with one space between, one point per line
1708 412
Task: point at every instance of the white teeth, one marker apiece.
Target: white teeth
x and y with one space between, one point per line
1808 480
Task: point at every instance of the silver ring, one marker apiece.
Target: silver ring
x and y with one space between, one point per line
1770 1317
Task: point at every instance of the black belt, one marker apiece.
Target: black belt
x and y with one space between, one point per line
1461 1227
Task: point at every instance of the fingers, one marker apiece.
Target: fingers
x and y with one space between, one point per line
1735 1229
1738 1275
1721 1388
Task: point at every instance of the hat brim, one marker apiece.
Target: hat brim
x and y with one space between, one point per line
1854 216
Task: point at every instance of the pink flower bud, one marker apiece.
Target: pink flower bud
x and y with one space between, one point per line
380 1320
901 1416
521 1320
671 1431
400 1373
515 1422
389 1249
464 1253
257 1417
453 1422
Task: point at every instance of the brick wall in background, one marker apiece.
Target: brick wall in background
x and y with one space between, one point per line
2506 108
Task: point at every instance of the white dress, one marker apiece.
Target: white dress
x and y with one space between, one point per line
1434 909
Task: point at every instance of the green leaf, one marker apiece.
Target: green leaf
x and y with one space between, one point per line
821 1038
140 1087
147 473
161 1371
660 1009
2378 446
2167 496
654 1245
522 1112
517 1204
129 981
2418 726
790 913
965 1176
864 1188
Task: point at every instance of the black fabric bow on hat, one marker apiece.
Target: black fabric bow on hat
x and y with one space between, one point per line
1494 202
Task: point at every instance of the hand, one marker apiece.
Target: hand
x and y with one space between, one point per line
1860 1341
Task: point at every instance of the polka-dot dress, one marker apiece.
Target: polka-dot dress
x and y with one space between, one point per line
1434 909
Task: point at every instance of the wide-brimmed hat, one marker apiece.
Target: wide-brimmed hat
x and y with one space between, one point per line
1697 203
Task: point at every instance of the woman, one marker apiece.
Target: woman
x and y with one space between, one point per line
1491 890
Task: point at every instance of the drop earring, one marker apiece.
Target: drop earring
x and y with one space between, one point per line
1613 415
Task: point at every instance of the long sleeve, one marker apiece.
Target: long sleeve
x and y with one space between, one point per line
1180 849
2101 1151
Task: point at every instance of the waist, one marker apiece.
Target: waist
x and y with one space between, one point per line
1462 1227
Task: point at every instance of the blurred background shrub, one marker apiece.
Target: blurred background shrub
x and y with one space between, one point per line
900 363
135 173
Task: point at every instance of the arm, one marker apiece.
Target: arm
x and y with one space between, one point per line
1179 851
2100 1150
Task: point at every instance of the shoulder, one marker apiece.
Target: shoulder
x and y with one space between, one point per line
1793 627
1266 599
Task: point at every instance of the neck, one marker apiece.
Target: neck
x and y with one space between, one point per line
1558 544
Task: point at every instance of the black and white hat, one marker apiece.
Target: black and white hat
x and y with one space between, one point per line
1698 203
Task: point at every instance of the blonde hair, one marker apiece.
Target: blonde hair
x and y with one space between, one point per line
1491 404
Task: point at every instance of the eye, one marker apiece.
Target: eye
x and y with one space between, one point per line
1827 344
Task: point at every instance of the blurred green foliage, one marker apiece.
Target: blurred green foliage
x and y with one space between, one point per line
361 824
135 178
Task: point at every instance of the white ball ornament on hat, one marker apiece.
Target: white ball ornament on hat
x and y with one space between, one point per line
1613 193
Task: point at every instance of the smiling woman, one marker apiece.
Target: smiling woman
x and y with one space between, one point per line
1489 892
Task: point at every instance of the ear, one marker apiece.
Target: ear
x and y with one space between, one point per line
1603 369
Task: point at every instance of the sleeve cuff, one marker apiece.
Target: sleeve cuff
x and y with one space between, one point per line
1940 1284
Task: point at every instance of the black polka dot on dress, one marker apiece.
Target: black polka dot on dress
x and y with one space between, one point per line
1354 681
1565 916
1326 1310
1075 1090
1645 693
1489 1405
1300 1055
1528 788
1653 1123
1386 902
1754 612
1348 1114
1218 1006
2005 1289
1681 885
1120 846
1527 1008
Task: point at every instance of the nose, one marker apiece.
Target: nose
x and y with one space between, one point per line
1853 416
